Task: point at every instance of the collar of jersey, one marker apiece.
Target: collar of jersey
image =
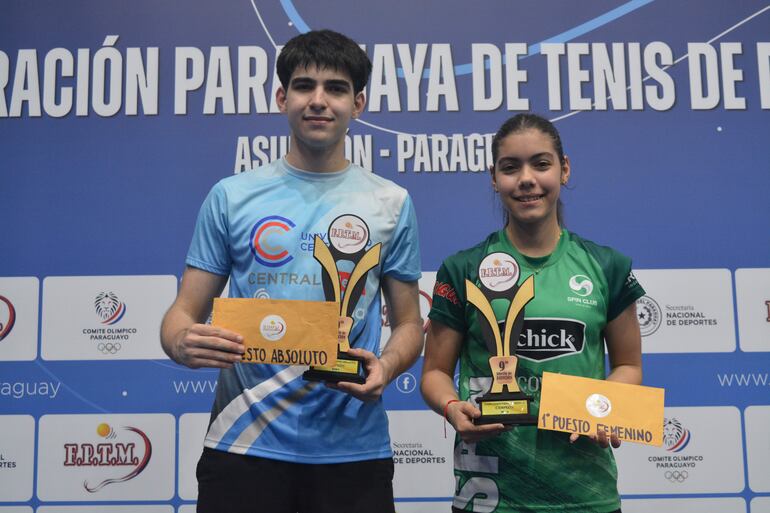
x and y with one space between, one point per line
536 264
312 175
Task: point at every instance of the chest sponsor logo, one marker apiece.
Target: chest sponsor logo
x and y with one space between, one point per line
581 285
127 451
270 239
7 317
543 339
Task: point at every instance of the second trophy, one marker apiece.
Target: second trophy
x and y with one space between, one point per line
498 273
348 237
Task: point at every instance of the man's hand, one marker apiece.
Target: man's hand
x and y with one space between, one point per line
202 345
377 378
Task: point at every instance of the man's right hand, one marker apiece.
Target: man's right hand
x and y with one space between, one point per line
203 345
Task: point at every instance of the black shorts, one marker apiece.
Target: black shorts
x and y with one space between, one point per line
232 483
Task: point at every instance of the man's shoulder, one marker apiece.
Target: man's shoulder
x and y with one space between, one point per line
375 182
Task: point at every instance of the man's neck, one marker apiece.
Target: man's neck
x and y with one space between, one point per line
326 160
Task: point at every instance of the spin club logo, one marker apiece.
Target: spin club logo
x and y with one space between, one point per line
7 317
269 239
109 308
128 450
675 436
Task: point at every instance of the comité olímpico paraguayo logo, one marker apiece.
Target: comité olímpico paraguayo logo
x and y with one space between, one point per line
109 308
268 238
7 317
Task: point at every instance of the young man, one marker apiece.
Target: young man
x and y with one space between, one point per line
276 442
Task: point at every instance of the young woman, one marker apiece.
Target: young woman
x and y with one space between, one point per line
584 297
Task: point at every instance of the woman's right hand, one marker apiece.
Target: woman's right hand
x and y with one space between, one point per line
461 414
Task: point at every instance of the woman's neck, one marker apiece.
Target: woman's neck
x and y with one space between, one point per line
534 240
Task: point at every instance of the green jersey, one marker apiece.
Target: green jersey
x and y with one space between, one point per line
579 288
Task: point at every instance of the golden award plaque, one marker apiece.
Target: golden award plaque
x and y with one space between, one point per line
348 237
504 403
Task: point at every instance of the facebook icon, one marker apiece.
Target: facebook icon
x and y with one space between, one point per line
406 383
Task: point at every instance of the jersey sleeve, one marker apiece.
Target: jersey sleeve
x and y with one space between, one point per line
448 306
403 260
623 287
209 249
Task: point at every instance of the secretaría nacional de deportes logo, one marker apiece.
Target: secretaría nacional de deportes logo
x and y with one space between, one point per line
109 308
648 312
269 239
273 327
581 285
499 272
7 317
675 436
598 405
121 450
349 234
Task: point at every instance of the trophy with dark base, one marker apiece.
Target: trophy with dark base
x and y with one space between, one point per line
505 403
348 237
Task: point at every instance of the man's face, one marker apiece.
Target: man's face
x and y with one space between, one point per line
319 104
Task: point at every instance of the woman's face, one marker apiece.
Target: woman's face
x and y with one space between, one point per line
528 176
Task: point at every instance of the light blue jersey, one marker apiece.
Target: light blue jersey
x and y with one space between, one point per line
258 228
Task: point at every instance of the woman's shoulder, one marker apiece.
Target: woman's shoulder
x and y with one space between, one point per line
602 253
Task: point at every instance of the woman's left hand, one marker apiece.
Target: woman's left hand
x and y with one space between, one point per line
599 439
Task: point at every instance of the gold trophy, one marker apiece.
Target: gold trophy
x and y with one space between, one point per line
348 236
505 403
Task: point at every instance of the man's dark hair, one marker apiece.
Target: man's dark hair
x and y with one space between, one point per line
327 50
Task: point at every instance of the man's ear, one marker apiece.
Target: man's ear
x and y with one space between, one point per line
359 102
280 98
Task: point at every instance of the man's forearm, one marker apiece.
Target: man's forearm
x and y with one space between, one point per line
403 348
174 322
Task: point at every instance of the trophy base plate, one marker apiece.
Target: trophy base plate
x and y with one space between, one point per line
507 408
348 368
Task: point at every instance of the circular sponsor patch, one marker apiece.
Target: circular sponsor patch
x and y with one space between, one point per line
648 312
581 285
499 272
273 327
598 405
349 234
